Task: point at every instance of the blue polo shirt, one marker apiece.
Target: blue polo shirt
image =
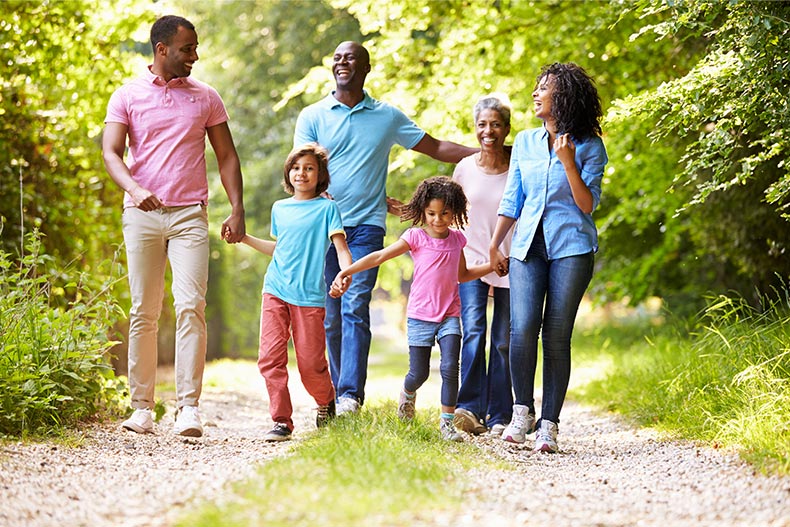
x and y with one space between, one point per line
303 230
359 141
537 189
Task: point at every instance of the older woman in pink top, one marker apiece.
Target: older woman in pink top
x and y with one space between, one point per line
485 399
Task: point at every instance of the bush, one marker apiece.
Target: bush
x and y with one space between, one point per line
54 369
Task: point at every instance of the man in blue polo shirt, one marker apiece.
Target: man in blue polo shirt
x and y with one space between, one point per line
359 133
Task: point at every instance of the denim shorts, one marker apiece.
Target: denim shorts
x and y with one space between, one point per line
424 333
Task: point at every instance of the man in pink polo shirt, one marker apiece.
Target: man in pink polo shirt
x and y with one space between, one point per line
166 116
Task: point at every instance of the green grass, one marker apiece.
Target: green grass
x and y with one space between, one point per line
725 383
367 469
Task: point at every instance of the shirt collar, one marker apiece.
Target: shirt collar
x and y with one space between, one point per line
331 102
159 81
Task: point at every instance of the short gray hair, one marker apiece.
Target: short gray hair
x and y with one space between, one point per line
498 102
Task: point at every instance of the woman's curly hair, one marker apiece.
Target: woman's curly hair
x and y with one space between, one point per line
321 155
575 104
441 188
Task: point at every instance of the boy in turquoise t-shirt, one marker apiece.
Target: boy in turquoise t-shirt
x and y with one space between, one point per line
294 291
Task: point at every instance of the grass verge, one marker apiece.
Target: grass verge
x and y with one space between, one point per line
726 382
366 469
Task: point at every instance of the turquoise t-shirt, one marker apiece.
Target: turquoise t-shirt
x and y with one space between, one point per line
359 141
303 231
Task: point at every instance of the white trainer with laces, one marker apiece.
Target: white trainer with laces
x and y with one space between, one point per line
188 422
347 405
546 438
521 424
141 421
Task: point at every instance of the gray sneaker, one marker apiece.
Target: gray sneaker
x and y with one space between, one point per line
468 422
347 405
141 421
449 433
496 430
406 406
546 437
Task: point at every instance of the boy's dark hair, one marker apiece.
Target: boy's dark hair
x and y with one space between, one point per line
166 28
322 157
441 188
575 104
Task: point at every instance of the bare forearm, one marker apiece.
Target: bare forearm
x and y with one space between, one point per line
264 246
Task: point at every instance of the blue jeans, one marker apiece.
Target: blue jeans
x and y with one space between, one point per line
347 320
487 394
561 284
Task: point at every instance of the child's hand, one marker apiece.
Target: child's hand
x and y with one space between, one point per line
339 285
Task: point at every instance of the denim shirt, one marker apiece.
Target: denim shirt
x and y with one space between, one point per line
537 189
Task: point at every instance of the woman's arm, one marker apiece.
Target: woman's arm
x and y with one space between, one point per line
498 261
566 153
264 246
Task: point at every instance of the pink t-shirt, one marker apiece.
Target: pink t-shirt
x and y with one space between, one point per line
434 289
167 134
484 192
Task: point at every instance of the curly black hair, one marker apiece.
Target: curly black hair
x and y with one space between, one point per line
441 188
321 155
575 104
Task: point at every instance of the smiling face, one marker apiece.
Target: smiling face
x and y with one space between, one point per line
438 219
177 58
350 66
541 97
491 130
303 176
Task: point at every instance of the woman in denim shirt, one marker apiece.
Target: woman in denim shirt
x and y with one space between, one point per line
553 186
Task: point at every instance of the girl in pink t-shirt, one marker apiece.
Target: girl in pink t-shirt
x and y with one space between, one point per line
434 307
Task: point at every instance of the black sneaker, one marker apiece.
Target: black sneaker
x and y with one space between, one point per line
280 432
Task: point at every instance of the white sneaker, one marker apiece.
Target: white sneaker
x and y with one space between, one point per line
522 423
546 438
347 405
188 422
141 421
496 430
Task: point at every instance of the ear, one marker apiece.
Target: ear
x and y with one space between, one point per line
161 49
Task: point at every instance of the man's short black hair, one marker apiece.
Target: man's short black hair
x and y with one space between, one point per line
166 27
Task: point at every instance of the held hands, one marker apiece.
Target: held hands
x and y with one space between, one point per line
233 228
394 206
339 285
499 262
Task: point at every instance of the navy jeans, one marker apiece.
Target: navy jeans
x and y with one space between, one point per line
485 393
420 365
347 321
560 284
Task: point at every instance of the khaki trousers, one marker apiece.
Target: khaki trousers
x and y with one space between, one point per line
180 235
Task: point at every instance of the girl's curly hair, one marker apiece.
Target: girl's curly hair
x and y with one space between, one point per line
441 188
575 104
321 155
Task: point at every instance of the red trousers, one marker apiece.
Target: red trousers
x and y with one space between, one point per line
279 320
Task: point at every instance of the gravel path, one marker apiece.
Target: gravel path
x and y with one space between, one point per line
607 474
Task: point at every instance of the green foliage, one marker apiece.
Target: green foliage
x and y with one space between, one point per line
61 61
726 382
54 370
373 456
727 201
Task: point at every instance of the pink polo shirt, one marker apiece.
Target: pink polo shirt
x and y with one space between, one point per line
167 135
